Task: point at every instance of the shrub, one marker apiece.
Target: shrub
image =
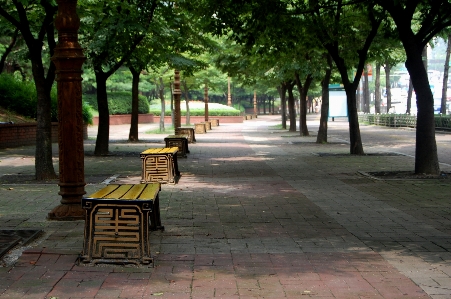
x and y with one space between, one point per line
196 108
119 102
21 97
18 96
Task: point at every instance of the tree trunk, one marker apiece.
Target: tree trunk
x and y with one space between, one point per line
43 155
359 96
366 93
103 131
187 117
322 131
133 134
172 104
377 89
426 159
163 104
387 68
291 108
424 57
356 147
409 97
282 92
303 90
445 77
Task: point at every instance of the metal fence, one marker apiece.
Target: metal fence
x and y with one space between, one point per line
402 120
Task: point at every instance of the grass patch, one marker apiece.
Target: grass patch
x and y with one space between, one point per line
277 127
168 129
7 116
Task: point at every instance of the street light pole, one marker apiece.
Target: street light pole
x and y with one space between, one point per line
68 59
177 95
206 101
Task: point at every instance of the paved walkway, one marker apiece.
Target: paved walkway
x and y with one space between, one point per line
257 213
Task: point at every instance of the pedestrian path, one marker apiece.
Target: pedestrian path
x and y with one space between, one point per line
257 213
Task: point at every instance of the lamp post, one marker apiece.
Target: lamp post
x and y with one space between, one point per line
255 102
206 101
68 59
177 94
229 95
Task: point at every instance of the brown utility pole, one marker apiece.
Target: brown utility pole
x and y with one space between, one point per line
177 95
206 101
229 95
255 102
68 60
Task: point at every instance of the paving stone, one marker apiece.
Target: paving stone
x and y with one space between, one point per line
254 215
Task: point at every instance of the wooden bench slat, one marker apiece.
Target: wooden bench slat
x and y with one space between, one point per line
163 150
104 191
151 151
119 192
134 192
171 150
150 192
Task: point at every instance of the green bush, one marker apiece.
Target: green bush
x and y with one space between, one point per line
21 97
119 102
18 96
196 109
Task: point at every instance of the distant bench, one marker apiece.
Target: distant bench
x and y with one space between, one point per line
118 220
190 132
180 141
160 165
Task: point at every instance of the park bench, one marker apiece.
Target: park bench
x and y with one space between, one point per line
160 165
214 122
186 131
200 128
180 141
117 224
207 125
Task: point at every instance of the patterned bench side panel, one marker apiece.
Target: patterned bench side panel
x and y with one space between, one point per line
158 168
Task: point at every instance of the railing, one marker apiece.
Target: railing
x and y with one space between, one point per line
402 120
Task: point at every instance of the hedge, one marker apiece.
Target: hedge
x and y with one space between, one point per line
196 108
21 97
119 102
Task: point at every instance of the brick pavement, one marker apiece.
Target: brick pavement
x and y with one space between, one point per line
256 214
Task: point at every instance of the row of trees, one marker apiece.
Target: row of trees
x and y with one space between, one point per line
267 44
137 34
301 41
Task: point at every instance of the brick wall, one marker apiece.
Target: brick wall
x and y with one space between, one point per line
15 135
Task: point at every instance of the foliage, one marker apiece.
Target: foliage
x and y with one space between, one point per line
119 102
18 96
21 97
197 109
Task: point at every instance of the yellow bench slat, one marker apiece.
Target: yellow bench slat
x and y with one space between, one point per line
151 151
128 191
170 150
104 191
134 192
119 192
164 150
150 192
